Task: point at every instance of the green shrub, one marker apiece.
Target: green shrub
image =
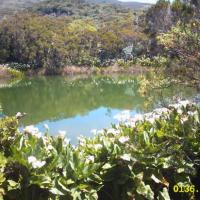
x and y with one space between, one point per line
42 41
184 41
19 66
144 61
156 61
124 63
8 72
15 73
8 131
142 158
3 162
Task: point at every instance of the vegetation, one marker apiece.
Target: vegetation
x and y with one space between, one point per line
79 9
184 42
53 34
8 72
156 61
19 67
141 158
173 30
41 41
124 162
10 7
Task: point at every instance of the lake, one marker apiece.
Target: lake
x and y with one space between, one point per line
79 104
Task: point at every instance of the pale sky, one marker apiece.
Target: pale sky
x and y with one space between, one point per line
142 1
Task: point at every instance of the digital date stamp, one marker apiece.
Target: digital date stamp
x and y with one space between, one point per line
185 189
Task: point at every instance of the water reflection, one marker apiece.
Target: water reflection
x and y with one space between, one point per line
78 104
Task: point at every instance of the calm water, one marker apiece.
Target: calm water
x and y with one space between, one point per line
79 104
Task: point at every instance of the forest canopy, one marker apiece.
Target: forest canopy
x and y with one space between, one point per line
59 33
43 41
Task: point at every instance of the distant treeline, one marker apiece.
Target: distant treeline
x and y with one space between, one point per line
57 33
43 41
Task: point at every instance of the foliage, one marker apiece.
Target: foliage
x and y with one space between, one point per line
42 41
19 67
142 158
156 61
161 17
184 11
54 34
154 88
80 9
8 129
29 39
124 63
3 162
157 18
184 41
8 72
15 73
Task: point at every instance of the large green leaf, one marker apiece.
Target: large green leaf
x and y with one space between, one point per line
146 191
164 195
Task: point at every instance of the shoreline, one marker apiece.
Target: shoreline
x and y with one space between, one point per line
85 70
9 76
7 73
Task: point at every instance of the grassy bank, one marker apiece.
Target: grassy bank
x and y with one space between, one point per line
9 73
151 156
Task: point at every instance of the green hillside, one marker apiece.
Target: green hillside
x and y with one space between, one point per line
80 9
9 7
132 5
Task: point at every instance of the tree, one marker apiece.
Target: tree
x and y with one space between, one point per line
184 40
32 39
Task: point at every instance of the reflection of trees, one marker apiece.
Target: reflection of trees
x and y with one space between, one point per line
159 90
9 82
0 109
54 98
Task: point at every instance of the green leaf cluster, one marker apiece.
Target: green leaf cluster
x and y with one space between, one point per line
142 159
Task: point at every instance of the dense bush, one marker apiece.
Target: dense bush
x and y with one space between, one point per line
156 61
125 63
53 34
19 67
142 158
165 14
8 72
100 12
184 41
43 41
